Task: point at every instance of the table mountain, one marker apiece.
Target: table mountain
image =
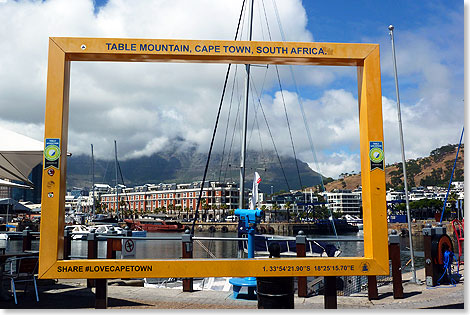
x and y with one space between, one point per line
188 166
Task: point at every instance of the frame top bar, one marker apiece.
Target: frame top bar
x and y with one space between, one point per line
214 51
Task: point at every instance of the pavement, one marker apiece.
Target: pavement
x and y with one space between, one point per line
73 294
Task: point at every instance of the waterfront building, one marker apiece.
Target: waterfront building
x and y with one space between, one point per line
393 195
34 194
217 199
5 191
459 186
101 189
220 199
78 203
344 201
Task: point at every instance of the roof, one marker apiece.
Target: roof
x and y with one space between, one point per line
19 154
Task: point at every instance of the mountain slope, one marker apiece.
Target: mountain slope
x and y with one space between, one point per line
434 170
188 166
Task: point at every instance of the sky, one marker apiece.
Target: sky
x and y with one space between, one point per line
153 107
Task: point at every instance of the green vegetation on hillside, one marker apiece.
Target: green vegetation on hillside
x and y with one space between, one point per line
440 176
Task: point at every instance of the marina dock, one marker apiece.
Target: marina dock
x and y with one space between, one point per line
128 294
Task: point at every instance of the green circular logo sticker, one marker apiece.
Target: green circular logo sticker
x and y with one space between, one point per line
376 155
52 152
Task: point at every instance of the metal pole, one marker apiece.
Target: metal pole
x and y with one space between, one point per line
245 119
251 247
117 191
93 179
413 270
451 176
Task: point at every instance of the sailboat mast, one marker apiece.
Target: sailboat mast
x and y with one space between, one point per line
93 180
403 159
245 118
116 167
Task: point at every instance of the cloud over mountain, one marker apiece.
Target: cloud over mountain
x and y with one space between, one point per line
147 106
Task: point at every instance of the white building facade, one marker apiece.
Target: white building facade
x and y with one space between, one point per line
344 201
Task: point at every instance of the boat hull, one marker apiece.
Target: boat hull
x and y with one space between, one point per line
155 225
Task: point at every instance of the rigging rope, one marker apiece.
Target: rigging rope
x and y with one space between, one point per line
255 122
228 123
209 253
288 126
233 136
282 94
124 191
309 134
272 138
215 130
303 113
448 256
106 171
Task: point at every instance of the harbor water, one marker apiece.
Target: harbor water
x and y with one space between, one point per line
171 249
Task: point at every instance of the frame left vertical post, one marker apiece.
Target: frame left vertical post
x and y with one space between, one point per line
54 178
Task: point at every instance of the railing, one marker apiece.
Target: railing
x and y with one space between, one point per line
351 284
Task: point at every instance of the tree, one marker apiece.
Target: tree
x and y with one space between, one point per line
171 208
126 212
452 199
224 208
99 207
178 210
122 205
321 212
337 214
287 205
205 207
421 209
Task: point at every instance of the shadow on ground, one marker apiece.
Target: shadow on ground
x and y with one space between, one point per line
451 306
70 298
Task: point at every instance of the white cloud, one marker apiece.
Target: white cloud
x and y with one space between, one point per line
146 106
151 147
337 163
133 103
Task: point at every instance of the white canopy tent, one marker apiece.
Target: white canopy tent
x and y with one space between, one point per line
19 154
6 183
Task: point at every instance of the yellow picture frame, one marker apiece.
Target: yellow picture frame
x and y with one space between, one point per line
64 50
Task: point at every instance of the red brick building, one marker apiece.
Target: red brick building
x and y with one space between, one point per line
178 199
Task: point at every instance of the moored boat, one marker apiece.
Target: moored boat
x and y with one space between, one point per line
353 220
112 229
155 225
288 246
80 232
327 226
